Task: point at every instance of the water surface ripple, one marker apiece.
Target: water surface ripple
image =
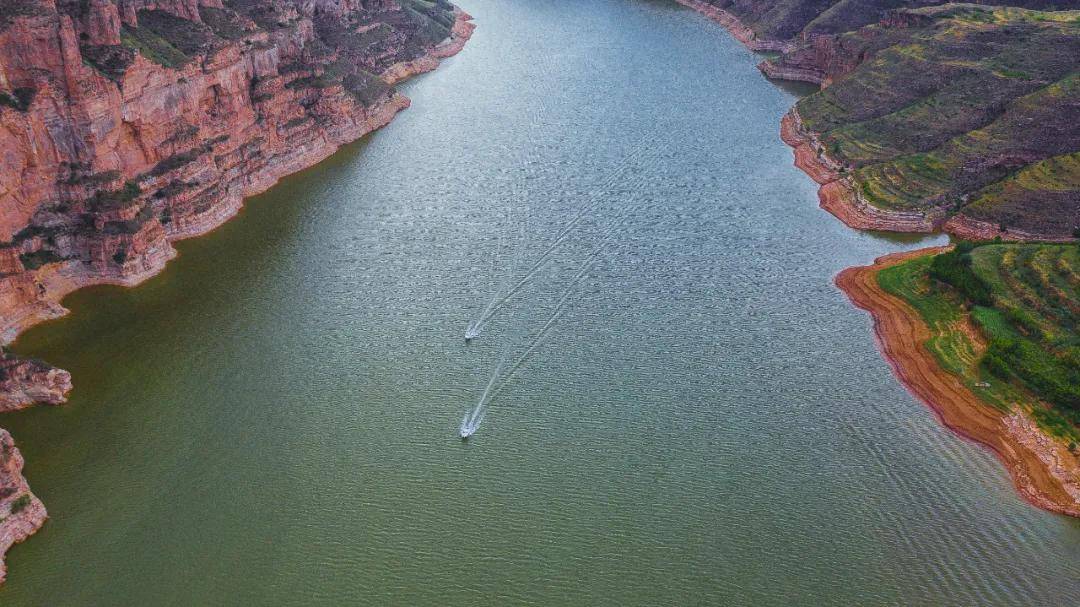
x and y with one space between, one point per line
273 420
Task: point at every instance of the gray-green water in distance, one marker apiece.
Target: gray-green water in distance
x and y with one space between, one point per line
273 419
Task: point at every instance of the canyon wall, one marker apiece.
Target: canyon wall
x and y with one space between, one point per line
125 124
128 124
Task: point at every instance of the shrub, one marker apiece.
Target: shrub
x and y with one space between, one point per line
223 22
20 503
19 99
954 268
153 47
36 259
176 161
103 200
111 60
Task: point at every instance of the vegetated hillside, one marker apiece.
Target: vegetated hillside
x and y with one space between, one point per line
959 109
1023 302
788 19
125 124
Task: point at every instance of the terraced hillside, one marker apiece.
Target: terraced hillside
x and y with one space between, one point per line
789 19
961 110
1005 319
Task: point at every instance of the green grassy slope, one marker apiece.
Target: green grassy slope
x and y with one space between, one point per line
1004 318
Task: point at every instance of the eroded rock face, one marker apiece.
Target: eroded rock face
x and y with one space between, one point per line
25 382
21 512
126 124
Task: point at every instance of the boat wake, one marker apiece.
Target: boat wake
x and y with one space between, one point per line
509 288
507 291
472 420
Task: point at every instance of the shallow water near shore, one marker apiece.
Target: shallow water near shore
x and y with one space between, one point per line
273 419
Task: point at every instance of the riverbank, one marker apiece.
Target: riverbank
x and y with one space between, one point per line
1041 468
738 29
948 186
24 383
21 512
838 195
459 35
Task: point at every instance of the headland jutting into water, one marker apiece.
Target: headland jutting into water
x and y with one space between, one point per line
868 183
135 124
1042 468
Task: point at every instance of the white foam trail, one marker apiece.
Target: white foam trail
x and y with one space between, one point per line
560 307
498 299
477 324
471 423
498 302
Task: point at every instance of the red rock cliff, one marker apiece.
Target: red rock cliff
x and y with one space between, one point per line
128 124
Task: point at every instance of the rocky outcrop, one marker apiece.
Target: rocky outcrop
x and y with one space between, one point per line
21 512
817 59
459 35
126 125
969 228
743 33
837 193
25 382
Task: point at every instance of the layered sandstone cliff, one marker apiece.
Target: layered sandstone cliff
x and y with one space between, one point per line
21 512
128 124
133 123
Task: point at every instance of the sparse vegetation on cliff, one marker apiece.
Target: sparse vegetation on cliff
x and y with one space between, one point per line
20 503
151 46
19 99
974 111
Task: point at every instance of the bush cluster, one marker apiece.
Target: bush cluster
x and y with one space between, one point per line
954 268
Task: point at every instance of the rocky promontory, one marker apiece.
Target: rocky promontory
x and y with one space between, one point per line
21 512
128 124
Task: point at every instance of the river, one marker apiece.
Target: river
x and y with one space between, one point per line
706 420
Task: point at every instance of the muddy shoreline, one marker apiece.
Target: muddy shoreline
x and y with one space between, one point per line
1042 470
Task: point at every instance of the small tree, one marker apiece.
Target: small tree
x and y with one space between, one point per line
20 503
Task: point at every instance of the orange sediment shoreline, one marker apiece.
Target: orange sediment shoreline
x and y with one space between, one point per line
1042 469
1044 472
837 195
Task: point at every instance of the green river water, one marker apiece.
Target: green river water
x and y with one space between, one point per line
705 421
